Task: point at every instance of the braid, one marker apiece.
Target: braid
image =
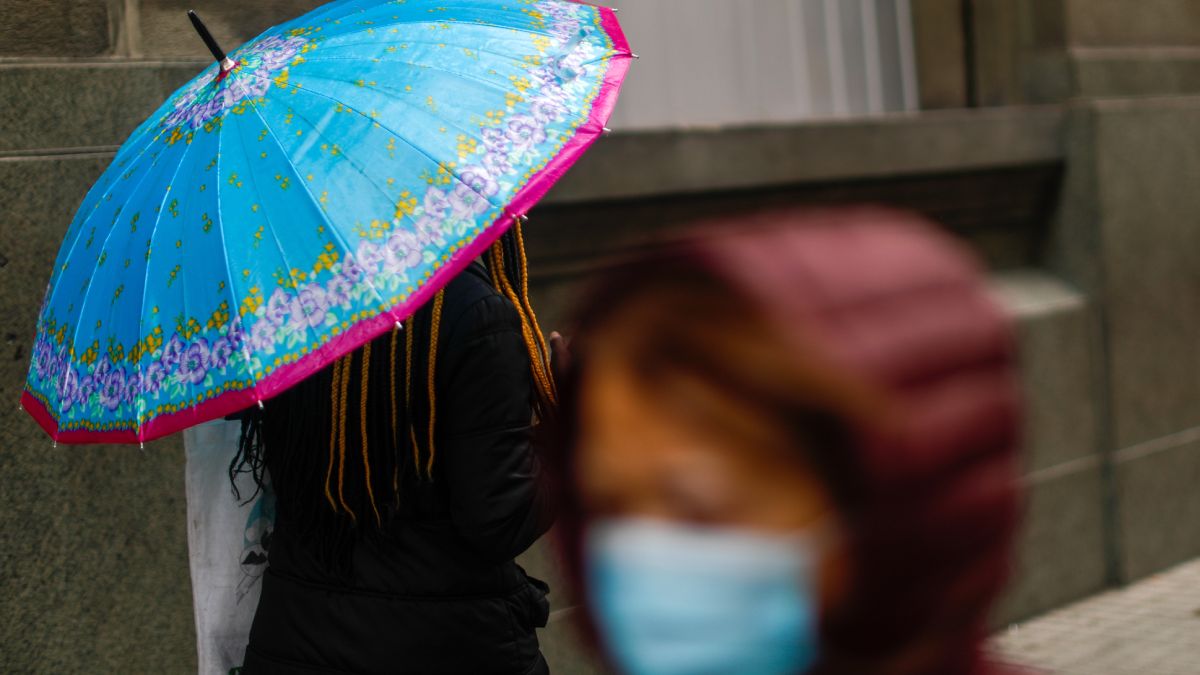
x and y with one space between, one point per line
544 349
409 340
392 398
343 387
335 414
538 365
362 423
435 327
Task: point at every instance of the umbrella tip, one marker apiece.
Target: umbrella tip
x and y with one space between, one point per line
399 326
261 406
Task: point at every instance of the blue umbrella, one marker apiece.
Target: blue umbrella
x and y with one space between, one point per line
304 194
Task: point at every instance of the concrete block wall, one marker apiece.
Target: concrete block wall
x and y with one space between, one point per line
1120 48
1150 238
93 547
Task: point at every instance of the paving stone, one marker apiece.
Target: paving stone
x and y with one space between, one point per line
1149 628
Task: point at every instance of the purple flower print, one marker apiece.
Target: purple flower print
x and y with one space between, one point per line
103 368
403 253
565 31
112 389
68 389
436 202
466 203
219 355
133 388
497 164
525 133
546 110
338 291
480 181
278 308
352 270
87 387
172 352
370 255
60 363
494 140
193 364
40 358
257 65
153 378
276 51
309 308
236 334
543 76
430 232
262 337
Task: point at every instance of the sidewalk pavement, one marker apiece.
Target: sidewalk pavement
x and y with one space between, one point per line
1149 628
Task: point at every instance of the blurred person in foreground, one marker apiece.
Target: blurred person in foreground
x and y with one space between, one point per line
789 447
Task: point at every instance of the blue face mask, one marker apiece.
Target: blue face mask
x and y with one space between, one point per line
678 600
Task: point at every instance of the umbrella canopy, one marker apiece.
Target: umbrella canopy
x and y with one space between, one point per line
305 195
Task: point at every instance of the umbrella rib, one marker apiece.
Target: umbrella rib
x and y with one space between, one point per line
220 225
454 73
154 232
379 43
388 129
357 167
266 209
316 204
485 24
85 218
458 126
112 229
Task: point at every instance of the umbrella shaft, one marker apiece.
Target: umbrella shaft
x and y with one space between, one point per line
209 41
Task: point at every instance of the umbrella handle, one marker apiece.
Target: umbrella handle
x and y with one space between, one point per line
209 40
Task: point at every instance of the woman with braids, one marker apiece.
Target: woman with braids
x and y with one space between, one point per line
406 485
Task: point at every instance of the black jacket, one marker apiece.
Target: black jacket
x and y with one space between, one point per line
440 592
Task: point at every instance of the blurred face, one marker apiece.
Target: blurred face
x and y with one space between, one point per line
708 549
684 454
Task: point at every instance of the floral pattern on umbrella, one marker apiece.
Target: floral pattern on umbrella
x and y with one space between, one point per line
287 219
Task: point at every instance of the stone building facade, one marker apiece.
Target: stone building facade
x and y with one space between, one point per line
1059 137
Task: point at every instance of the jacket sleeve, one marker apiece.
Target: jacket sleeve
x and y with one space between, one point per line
499 498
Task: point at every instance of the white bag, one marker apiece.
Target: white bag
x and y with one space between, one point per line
227 541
